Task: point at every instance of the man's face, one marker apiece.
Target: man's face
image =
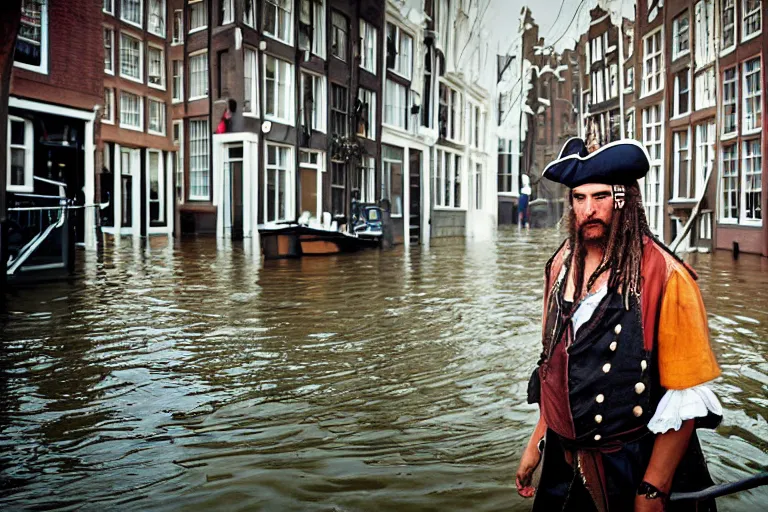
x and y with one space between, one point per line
593 207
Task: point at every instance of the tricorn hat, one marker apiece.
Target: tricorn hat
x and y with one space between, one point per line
618 163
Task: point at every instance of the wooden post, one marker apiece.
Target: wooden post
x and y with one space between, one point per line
10 16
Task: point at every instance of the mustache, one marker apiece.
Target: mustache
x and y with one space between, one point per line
594 222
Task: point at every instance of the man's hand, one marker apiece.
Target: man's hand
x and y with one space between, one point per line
643 504
529 461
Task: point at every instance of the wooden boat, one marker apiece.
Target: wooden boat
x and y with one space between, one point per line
295 241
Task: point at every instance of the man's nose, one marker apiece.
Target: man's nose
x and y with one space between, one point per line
590 207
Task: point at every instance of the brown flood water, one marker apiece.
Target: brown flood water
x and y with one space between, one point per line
196 377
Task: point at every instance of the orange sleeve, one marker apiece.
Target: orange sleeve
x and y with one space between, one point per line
685 356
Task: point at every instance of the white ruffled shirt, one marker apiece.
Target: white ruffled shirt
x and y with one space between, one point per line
677 405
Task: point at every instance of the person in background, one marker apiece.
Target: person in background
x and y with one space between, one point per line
523 205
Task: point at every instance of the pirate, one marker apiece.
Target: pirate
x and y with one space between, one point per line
626 355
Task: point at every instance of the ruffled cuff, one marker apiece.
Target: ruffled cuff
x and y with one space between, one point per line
679 405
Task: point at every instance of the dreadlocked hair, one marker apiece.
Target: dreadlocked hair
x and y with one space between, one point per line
623 252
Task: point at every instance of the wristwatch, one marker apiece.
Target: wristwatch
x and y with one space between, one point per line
651 492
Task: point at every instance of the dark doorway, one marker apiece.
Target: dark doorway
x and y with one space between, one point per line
414 180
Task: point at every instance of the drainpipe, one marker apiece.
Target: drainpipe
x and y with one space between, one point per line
622 128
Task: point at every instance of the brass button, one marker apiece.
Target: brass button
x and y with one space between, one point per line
598 437
637 411
612 346
598 418
606 367
639 388
643 365
599 398
617 329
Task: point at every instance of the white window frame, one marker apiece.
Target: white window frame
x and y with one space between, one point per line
677 112
654 180
705 147
290 185
506 170
161 85
203 6
177 93
756 96
705 86
368 40
110 9
228 16
370 95
397 209
725 208
613 80
678 194
319 105
596 49
161 185
745 15
140 78
316 163
477 184
197 55
179 160
163 32
658 52
367 182
288 24
251 63
393 114
630 83
318 30
452 111
109 70
403 70
756 171
177 33
345 54
288 119
42 68
163 114
704 44
249 18
732 26
445 173
676 54
109 100
123 124
204 158
29 154
734 85
140 24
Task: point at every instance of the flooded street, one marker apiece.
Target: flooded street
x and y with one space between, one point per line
192 377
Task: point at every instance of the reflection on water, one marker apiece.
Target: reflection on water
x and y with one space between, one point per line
191 377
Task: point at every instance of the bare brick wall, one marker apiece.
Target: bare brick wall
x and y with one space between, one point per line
75 58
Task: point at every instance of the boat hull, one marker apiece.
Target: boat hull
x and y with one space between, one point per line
298 241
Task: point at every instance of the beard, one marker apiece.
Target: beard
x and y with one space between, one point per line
593 232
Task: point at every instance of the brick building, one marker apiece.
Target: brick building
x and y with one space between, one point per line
56 91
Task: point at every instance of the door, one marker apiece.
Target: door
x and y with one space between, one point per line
415 195
308 188
234 168
126 189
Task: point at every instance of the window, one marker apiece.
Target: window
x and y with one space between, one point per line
278 90
178 81
450 115
338 110
478 183
630 120
313 102
108 115
156 192
156 116
199 161
109 51
392 178
653 78
20 155
198 76
277 19
198 15
729 185
312 27
705 156
367 184
310 182
507 184
248 6
365 114
705 31
156 21
395 104
178 27
682 93
652 183
598 87
156 71
752 182
682 181
705 89
630 85
596 49
614 80
680 37
474 125
368 37
108 6
131 11
279 191
339 34
226 12
178 141
32 41
131 111
338 187
130 57
728 24
399 51
705 226
751 18
752 112
730 116
250 98
447 179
